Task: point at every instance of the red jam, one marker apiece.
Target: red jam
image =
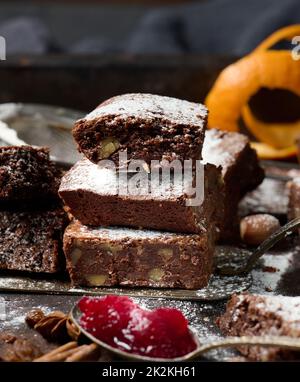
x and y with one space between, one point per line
119 322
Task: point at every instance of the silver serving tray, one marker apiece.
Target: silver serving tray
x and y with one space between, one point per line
44 125
41 125
219 288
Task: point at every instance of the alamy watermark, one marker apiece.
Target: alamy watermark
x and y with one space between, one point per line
296 49
158 179
2 309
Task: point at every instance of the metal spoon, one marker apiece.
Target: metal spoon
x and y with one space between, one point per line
267 341
280 234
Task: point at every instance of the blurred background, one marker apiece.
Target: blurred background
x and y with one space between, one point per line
76 53
141 26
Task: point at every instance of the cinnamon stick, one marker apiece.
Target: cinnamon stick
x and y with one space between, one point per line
57 352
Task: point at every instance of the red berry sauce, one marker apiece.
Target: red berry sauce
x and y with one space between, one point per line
119 322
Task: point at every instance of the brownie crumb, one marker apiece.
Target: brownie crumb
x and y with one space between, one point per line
270 269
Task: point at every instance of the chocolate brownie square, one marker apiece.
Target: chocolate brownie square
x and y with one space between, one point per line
91 195
148 126
259 315
98 256
27 173
31 238
241 172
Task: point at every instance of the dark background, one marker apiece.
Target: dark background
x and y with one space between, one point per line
142 27
78 53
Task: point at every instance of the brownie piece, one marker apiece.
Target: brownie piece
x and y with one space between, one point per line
293 189
240 170
139 258
148 126
90 193
259 315
27 173
31 239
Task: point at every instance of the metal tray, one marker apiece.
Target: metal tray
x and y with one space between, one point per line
277 273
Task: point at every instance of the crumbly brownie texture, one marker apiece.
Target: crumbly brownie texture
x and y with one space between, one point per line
150 127
293 189
240 170
90 192
258 315
139 258
26 172
32 240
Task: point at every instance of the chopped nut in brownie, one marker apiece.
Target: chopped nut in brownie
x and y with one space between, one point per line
148 126
130 257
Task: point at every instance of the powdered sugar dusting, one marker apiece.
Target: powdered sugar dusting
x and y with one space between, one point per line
286 307
297 180
259 200
100 180
121 233
151 107
264 222
268 281
91 177
216 148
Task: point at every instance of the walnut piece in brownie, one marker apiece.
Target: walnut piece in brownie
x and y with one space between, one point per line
90 193
140 258
31 240
258 315
148 126
27 173
240 170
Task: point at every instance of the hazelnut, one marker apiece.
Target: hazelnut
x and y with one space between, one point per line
156 274
108 147
254 229
96 280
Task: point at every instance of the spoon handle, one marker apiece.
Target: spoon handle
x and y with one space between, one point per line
266 341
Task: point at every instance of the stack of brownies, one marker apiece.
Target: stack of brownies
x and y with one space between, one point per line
32 219
156 239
